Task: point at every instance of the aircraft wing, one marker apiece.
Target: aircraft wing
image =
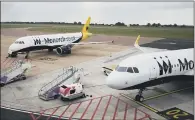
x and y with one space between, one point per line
86 43
145 49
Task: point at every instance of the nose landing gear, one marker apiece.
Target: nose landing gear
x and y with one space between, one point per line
13 54
139 96
27 54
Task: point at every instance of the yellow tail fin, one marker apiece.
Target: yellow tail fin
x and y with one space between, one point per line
137 40
86 26
85 29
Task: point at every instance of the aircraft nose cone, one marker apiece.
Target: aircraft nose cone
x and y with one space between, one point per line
11 46
11 49
113 80
109 82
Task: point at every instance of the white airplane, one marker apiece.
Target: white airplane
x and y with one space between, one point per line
61 42
144 70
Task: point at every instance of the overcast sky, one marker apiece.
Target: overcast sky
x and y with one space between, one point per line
100 12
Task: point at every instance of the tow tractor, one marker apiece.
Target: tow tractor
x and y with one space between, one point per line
72 91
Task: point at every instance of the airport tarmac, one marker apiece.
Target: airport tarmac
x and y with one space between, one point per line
24 94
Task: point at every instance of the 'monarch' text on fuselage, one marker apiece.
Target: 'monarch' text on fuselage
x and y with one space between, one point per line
167 68
54 40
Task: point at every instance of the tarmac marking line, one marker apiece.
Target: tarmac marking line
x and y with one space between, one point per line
75 111
96 109
167 93
153 97
106 107
116 109
142 104
64 112
53 113
86 109
125 114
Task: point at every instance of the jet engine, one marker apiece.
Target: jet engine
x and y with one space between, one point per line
64 50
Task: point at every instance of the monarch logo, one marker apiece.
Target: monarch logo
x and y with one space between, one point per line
55 40
186 65
165 67
37 41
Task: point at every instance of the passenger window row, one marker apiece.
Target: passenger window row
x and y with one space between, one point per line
127 69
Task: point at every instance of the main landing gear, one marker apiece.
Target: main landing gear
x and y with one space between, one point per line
139 96
69 51
50 50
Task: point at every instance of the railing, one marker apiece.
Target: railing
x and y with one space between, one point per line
12 68
4 75
13 72
51 89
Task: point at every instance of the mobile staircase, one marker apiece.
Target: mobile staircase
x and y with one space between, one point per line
14 72
50 91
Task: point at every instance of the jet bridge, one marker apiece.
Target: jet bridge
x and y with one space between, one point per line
50 90
15 72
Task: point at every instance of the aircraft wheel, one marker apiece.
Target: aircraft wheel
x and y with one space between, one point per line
139 98
69 52
26 57
50 50
14 54
83 96
23 77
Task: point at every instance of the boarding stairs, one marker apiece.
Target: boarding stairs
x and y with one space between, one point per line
13 73
50 90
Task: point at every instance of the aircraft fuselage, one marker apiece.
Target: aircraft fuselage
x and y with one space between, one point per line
139 70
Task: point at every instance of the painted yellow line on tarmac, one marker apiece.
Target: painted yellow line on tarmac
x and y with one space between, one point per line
142 104
167 93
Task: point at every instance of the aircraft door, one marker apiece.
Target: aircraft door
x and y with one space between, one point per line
153 73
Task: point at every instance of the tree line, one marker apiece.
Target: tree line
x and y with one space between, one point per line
96 24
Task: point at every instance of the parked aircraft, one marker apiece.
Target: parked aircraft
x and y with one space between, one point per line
144 70
62 42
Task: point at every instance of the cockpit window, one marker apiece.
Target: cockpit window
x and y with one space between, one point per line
130 70
19 42
135 70
127 69
121 69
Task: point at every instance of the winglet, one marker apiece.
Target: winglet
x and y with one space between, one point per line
136 44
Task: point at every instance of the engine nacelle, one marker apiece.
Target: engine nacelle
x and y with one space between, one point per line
64 50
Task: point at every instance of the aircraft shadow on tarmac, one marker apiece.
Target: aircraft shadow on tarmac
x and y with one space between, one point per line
170 44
